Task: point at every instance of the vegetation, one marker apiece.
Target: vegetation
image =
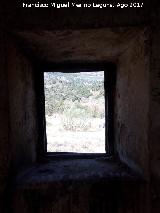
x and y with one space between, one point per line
76 97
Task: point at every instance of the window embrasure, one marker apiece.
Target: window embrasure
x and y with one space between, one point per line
75 106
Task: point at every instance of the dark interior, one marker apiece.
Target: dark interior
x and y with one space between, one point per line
126 42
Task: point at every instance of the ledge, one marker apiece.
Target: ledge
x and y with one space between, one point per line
77 170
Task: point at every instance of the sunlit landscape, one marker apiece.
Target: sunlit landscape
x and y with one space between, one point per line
75 112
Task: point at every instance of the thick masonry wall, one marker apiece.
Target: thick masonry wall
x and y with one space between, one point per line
22 109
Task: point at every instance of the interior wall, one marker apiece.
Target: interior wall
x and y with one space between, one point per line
128 48
22 109
86 196
4 121
83 46
132 95
132 106
13 17
155 119
132 122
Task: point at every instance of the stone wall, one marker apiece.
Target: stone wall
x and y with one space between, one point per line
13 18
4 124
154 133
132 105
22 108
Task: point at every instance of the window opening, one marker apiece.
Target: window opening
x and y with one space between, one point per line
75 112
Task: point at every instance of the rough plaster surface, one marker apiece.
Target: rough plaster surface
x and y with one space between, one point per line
127 47
154 133
73 170
132 105
78 45
93 185
4 120
12 17
22 112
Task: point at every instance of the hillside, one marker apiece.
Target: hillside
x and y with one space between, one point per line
74 102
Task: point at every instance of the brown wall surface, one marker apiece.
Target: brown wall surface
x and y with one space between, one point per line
22 109
132 105
4 124
13 18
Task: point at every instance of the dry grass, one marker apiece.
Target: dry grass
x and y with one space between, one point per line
60 140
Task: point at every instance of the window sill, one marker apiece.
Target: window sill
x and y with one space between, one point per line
71 155
74 170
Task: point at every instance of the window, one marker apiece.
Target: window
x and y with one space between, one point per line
75 109
75 112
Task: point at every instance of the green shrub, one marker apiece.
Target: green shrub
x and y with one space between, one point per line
67 97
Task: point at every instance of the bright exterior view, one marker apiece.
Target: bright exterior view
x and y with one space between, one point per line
75 112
